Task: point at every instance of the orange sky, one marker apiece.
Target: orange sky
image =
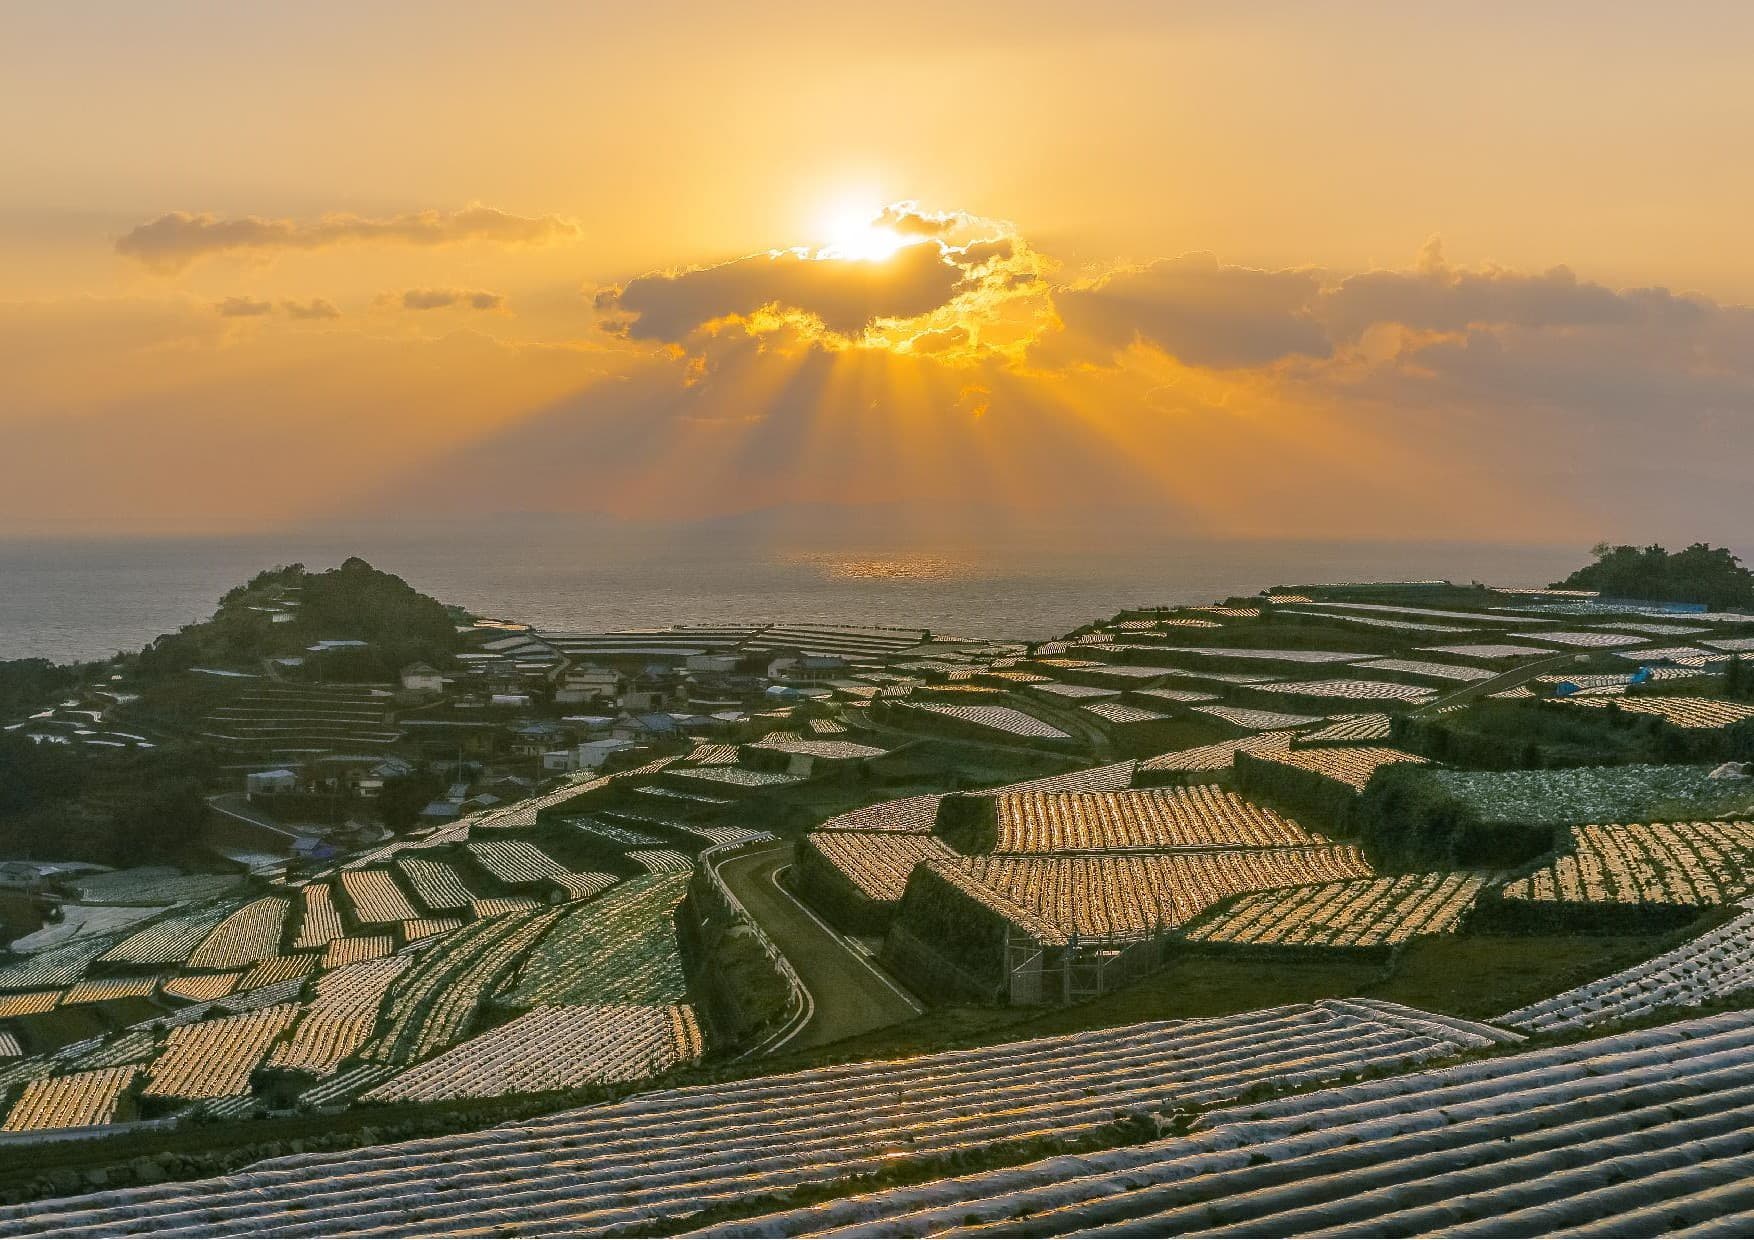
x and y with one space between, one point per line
263 267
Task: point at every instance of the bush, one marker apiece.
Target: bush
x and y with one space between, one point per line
968 823
1407 820
946 941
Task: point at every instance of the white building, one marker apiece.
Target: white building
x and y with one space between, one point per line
422 678
270 783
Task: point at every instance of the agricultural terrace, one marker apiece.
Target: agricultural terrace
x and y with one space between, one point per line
1679 863
1635 1134
1368 912
76 1100
618 949
319 922
1197 816
875 863
1006 720
1352 765
1706 969
1428 669
1688 713
250 933
168 940
436 884
1356 690
214 1058
614 1166
1123 897
337 1022
431 1005
550 1048
1220 756
375 897
1348 730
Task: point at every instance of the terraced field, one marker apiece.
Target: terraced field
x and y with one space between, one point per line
1638 1134
619 949
430 1006
1356 913
1683 863
661 1157
1706 969
1116 897
1200 815
549 1048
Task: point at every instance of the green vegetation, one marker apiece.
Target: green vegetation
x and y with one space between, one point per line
113 807
26 684
946 941
356 602
1597 794
1415 817
1699 574
1502 736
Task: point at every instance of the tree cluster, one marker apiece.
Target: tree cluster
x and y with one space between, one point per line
1699 574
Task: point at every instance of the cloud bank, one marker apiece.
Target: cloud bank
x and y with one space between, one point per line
444 298
173 241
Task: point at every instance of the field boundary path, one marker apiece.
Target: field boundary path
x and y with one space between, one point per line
850 993
1521 674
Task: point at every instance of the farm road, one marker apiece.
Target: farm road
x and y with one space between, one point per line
852 994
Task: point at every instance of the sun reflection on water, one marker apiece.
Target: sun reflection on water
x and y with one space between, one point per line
899 566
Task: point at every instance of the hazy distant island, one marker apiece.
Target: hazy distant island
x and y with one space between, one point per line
345 864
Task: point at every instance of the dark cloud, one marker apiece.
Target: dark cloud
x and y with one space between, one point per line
173 241
441 298
846 295
1201 312
315 308
243 308
1436 297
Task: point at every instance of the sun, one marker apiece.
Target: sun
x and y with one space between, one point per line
855 234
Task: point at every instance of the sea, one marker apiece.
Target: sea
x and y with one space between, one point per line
76 599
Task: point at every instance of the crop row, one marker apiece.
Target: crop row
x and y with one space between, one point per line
1352 765
340 1017
429 1006
76 1100
877 863
1639 1134
1364 912
251 932
376 899
620 948
1690 713
1202 815
550 1048
1121 897
659 1157
214 1058
319 922
435 884
168 940
1681 863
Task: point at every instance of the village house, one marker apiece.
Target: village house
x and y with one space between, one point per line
422 678
583 683
273 783
800 669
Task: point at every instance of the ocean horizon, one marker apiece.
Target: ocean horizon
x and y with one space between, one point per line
65 600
